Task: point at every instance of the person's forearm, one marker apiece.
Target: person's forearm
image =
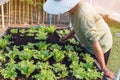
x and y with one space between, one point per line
99 54
71 34
100 58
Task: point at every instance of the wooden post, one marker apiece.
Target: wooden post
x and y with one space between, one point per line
46 17
23 12
39 11
39 14
3 25
15 10
9 15
31 14
19 11
28 13
6 13
43 14
35 10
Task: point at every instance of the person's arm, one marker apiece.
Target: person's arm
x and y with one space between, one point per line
100 57
71 34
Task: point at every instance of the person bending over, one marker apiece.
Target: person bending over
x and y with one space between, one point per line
88 25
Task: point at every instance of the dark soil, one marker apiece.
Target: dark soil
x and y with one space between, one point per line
53 38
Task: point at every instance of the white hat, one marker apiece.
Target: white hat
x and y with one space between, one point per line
59 6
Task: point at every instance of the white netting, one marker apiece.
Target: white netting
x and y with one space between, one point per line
3 1
107 7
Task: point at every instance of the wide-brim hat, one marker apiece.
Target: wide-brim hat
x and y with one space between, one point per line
59 6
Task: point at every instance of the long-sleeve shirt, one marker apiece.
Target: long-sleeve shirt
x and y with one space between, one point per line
89 27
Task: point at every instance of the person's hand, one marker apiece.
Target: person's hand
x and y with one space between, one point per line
70 35
108 73
63 38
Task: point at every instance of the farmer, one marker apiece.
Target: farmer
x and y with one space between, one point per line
89 27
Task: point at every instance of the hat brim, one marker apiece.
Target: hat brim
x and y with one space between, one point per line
59 7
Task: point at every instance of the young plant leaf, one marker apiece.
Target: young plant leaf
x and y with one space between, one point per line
60 70
26 67
58 55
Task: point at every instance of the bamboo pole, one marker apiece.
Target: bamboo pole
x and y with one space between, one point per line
43 14
31 14
15 9
40 12
6 9
28 13
9 15
19 11
23 12
45 17
35 10
40 16
37 13
3 25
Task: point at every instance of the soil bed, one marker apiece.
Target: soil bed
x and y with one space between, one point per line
22 39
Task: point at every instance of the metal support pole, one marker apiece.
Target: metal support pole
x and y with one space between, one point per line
59 19
50 19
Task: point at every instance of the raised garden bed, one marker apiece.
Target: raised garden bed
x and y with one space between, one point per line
37 54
